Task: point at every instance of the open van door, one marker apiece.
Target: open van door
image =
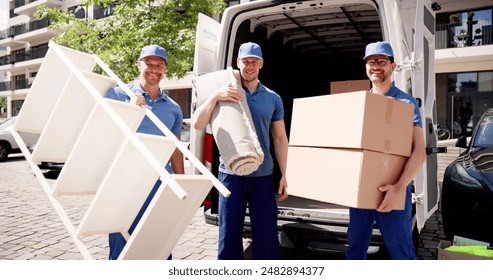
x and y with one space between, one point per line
414 49
206 41
427 187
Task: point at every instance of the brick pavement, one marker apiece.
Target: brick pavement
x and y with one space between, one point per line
30 229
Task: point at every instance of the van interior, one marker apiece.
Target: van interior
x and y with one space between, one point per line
309 45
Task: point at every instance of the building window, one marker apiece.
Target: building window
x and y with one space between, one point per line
16 107
485 82
470 94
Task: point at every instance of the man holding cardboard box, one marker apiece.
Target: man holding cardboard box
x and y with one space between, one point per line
395 225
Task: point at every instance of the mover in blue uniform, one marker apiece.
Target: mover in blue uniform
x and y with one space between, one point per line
152 66
395 225
255 190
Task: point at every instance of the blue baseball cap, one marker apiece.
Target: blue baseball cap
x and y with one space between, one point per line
153 50
250 50
383 48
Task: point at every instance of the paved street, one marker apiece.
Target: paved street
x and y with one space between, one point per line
30 228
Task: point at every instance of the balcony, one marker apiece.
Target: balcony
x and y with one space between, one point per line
4 60
5 88
12 14
5 63
23 59
28 7
20 86
102 12
465 34
27 32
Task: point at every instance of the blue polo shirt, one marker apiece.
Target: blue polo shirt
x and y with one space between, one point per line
266 107
402 96
165 108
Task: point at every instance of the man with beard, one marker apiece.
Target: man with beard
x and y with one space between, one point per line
395 225
152 66
256 189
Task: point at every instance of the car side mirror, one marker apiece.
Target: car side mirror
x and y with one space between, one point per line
461 142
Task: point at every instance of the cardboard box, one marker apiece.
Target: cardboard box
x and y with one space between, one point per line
443 254
359 120
347 177
349 86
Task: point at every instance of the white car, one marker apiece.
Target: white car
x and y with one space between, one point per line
8 144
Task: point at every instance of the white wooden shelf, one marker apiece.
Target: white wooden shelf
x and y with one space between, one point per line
69 116
48 87
166 219
95 150
125 187
104 157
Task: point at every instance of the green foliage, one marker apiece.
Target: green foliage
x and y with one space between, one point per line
3 102
118 39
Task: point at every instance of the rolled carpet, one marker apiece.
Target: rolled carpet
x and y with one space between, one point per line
231 124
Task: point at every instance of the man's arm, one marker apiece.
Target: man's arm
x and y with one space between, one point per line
413 165
203 114
280 141
176 161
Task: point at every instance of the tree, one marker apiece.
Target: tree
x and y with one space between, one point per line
3 102
118 39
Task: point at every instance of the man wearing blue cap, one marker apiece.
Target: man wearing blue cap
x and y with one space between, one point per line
152 66
395 225
256 189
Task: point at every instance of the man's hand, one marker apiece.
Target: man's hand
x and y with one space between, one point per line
228 93
283 189
139 100
391 193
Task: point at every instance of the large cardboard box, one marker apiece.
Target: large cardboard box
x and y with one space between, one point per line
359 120
443 254
349 86
347 177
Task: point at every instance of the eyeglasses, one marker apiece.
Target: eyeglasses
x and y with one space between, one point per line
379 62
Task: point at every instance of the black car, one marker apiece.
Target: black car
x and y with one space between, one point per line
467 190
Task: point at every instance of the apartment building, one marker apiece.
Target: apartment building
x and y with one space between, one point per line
26 41
463 53
464 62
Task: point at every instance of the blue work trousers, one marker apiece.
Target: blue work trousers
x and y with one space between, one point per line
395 227
256 193
117 241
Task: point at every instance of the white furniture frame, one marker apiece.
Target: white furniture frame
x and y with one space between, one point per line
106 158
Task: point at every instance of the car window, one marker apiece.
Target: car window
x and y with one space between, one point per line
484 135
6 124
185 130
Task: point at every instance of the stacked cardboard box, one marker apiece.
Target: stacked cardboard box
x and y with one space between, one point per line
444 254
343 147
349 86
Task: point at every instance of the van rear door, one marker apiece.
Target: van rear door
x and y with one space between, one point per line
414 49
206 41
427 189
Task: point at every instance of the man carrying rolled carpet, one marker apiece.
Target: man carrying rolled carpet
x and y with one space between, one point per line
253 190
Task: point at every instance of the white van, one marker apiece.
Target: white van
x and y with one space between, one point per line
306 46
